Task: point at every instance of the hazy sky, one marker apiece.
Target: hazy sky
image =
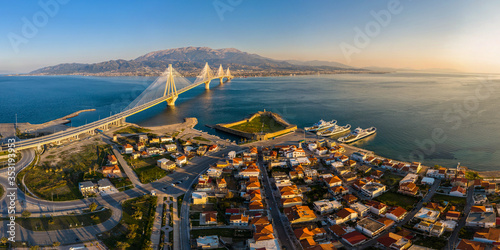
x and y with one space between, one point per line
462 35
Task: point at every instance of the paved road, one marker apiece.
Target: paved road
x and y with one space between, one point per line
283 228
452 241
202 164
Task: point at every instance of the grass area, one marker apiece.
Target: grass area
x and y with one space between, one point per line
150 173
457 201
136 237
1 190
224 232
395 199
132 130
199 138
121 184
264 123
60 182
317 192
143 162
472 175
431 242
179 204
391 180
64 222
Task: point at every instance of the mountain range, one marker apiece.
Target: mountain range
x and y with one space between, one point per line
190 60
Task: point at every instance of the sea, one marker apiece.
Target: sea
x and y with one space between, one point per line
435 118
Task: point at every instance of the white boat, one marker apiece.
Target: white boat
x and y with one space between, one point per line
357 134
321 125
335 130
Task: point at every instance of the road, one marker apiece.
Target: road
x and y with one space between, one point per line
286 239
452 241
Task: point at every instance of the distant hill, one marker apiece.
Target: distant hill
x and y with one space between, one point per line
319 63
190 60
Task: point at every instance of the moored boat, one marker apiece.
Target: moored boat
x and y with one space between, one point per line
335 130
357 134
321 125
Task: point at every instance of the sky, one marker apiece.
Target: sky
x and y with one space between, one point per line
460 35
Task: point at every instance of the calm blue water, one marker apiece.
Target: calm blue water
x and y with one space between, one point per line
436 118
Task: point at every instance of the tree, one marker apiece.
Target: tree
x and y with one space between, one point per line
133 227
3 240
56 244
137 215
122 245
131 235
92 206
26 214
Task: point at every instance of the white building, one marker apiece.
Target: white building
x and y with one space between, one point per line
199 198
207 242
326 206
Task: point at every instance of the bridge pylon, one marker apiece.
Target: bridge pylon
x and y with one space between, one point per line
228 74
207 75
170 89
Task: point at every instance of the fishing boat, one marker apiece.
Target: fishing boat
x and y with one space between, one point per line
335 130
357 134
321 125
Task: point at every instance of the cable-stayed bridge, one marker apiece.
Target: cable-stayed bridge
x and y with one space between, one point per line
163 89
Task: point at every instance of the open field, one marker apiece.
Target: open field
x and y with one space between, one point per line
461 201
263 123
150 173
64 222
138 236
390 179
132 130
395 199
59 180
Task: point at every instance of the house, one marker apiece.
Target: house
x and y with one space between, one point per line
338 230
201 150
291 202
408 188
358 184
140 146
435 206
376 207
370 227
111 170
373 189
415 167
453 215
136 155
181 160
338 190
166 164
199 198
326 206
427 181
491 188
358 156
434 229
459 181
112 160
208 218
207 242
333 181
221 183
458 191
349 198
481 219
479 199
154 140
239 220
256 205
299 214
259 221
376 174
409 178
397 214
250 171
214 172
427 214
393 241
354 238
360 208
170 147
165 139
213 148
290 192
470 245
488 236
87 187
128 149
344 215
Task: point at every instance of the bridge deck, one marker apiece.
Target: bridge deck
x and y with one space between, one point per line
75 131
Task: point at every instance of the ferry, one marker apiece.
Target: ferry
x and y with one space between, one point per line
335 130
321 125
357 134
